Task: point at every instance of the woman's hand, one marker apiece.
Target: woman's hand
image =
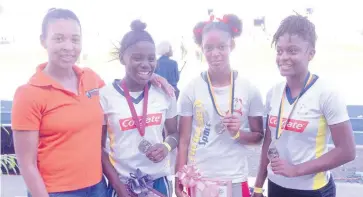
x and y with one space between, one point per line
233 123
162 83
157 152
179 192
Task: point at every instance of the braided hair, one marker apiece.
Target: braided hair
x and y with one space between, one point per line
296 25
229 23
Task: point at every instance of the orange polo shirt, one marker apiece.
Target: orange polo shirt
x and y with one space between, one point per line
69 125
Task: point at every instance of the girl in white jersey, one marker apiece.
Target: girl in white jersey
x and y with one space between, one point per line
215 108
302 114
136 113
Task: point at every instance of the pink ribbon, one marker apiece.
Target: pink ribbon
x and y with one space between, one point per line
190 177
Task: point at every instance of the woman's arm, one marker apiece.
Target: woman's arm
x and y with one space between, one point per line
162 83
26 117
343 152
255 134
185 130
185 108
255 119
26 149
172 134
171 125
108 169
264 161
334 110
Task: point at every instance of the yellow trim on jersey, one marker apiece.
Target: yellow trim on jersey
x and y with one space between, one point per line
320 178
112 143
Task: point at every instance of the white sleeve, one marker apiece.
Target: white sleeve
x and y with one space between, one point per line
185 101
103 103
268 101
172 110
256 104
333 107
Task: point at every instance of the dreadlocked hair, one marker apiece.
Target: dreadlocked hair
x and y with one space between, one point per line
296 25
230 23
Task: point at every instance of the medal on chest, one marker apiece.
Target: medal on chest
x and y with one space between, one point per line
220 127
144 145
281 125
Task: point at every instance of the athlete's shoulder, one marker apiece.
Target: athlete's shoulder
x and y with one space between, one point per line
196 81
241 80
325 88
90 76
107 89
277 87
159 94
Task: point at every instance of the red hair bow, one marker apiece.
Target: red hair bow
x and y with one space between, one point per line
224 19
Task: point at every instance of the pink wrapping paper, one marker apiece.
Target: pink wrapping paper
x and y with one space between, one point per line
190 178
213 188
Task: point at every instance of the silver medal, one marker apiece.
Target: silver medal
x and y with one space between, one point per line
144 146
272 152
220 128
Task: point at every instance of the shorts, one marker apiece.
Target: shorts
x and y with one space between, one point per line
98 190
275 190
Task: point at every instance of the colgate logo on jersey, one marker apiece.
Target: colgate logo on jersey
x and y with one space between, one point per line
291 125
151 120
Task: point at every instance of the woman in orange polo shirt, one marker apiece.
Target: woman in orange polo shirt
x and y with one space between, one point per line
57 119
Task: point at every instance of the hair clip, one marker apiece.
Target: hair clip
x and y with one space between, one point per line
198 31
224 19
211 18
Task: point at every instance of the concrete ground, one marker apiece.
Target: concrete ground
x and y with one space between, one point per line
13 186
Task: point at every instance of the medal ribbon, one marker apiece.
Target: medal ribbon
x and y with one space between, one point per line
213 97
280 127
140 124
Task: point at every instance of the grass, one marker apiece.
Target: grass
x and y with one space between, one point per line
8 163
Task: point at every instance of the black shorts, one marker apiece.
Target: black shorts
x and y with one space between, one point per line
275 190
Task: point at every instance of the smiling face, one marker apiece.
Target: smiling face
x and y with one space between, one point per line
293 55
140 62
216 46
63 42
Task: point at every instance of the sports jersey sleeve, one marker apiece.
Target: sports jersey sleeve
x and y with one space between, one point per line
268 102
333 107
104 104
172 110
256 104
185 101
26 110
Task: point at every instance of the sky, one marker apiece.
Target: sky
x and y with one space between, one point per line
105 21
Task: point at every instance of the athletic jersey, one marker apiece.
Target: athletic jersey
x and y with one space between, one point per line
123 136
218 155
306 133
